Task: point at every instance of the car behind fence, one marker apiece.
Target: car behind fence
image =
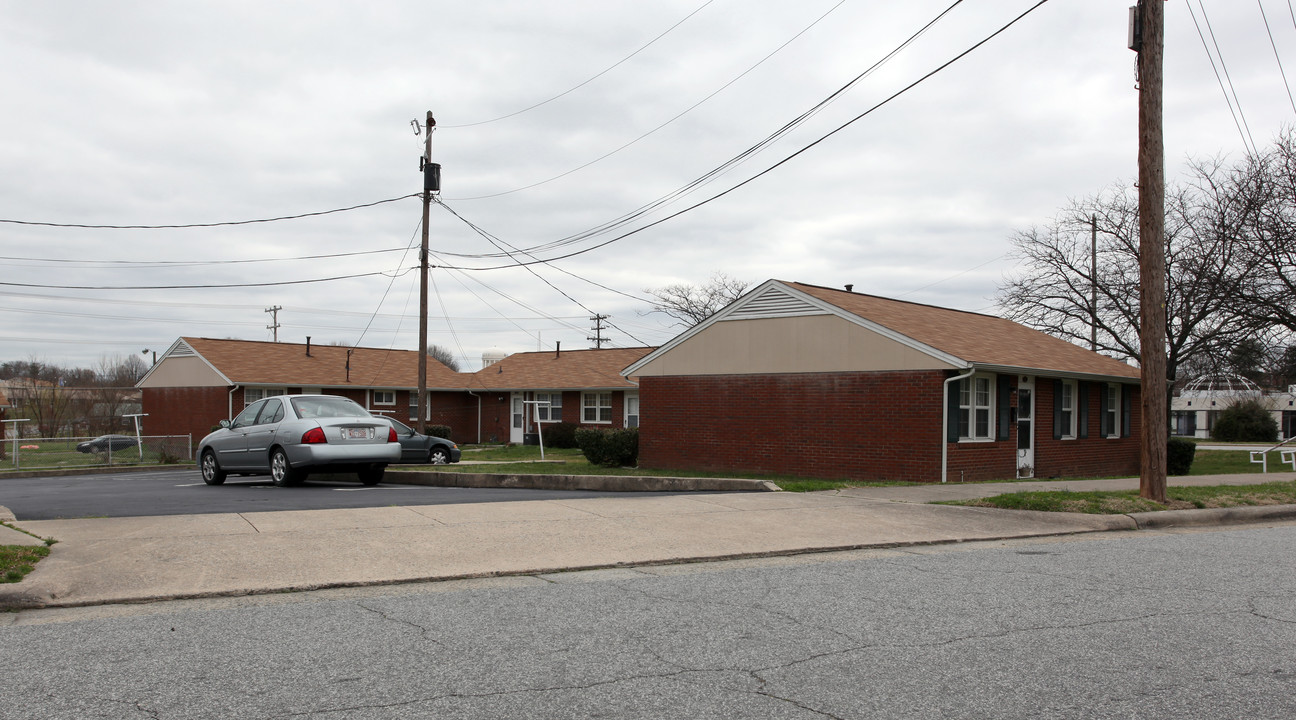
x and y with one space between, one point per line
51 453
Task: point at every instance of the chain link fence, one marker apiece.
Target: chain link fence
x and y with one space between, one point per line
29 453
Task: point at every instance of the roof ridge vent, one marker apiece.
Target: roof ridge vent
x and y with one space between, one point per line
774 302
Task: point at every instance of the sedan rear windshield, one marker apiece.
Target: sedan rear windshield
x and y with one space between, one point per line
326 406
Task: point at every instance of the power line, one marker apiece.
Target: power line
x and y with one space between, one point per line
681 114
733 162
785 160
1274 45
192 287
1218 79
591 79
493 240
196 263
206 225
219 306
1245 128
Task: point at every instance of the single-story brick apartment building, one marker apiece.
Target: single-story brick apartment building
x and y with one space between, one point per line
198 382
811 381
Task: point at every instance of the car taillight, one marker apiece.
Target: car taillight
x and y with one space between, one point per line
314 435
391 435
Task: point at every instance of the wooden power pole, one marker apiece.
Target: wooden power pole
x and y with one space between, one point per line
431 181
1150 40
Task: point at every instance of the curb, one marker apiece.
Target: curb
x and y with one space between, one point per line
1158 519
111 470
599 483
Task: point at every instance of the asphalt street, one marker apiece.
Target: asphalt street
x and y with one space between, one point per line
1187 624
183 492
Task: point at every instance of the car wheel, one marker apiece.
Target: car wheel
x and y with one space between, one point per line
373 474
281 472
439 456
211 470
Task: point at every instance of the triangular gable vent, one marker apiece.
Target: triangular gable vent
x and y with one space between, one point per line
182 349
774 302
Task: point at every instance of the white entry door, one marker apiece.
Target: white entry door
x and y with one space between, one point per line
516 429
1025 427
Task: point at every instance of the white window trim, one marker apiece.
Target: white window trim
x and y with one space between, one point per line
261 393
376 401
585 405
1112 393
1069 432
548 409
968 410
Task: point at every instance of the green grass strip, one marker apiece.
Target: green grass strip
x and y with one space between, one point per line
1128 501
18 560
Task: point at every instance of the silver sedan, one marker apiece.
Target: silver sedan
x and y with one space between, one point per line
289 436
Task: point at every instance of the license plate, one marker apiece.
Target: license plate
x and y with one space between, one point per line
357 433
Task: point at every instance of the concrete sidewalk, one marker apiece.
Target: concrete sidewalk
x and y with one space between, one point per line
114 560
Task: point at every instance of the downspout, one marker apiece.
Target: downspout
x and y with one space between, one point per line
229 413
944 430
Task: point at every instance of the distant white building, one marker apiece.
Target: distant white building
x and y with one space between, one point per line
492 356
1196 408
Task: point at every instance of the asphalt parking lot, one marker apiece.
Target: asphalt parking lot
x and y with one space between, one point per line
182 492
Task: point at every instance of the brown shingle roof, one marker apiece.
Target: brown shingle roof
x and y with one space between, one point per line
566 370
973 337
247 362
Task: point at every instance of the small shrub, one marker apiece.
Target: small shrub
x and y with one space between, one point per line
609 448
441 431
1179 456
1246 421
560 435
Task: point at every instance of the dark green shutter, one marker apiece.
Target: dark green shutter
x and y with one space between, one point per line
952 403
1104 405
1126 394
1057 409
1082 410
1004 387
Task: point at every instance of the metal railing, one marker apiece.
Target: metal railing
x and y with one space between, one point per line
1287 455
32 453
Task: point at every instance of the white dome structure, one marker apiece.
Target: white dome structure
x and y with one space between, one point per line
1221 387
492 356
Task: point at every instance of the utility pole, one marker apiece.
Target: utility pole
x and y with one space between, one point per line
1093 282
1150 41
598 338
274 318
431 182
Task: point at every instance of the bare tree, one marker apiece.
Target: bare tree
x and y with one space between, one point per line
1268 180
691 304
1054 288
443 356
112 393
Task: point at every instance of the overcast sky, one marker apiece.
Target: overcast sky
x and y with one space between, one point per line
555 119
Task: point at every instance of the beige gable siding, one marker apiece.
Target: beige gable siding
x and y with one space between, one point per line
183 372
815 344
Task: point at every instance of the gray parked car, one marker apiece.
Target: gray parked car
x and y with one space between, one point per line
424 449
289 436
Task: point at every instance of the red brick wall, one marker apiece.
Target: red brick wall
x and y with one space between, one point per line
1094 456
181 411
859 426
